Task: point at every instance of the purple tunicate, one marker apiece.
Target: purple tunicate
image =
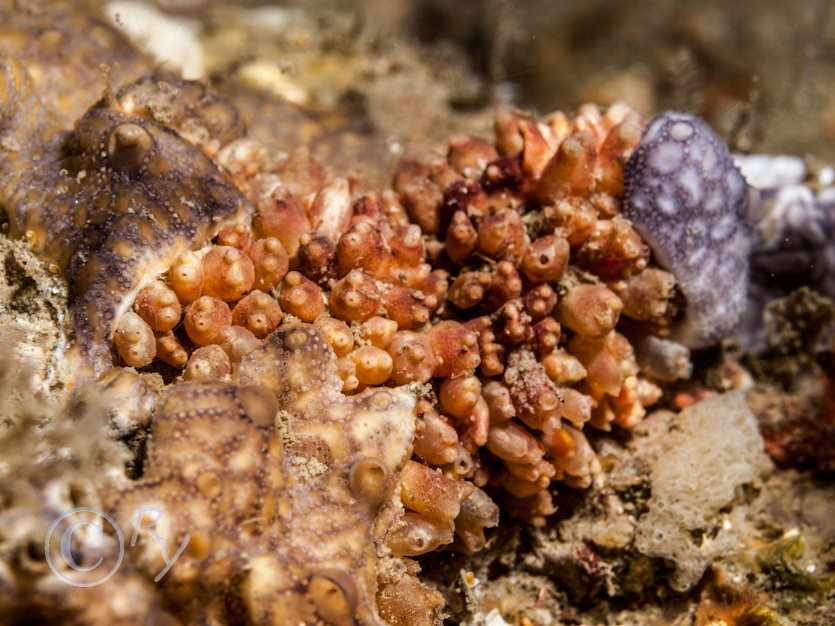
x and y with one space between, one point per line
688 201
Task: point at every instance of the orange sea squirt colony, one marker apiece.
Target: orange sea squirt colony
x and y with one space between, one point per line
498 275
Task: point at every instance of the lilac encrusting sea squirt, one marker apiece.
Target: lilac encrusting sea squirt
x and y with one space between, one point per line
688 201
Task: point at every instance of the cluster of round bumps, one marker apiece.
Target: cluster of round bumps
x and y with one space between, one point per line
501 279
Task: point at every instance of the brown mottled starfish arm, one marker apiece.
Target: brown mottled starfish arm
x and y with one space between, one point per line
112 203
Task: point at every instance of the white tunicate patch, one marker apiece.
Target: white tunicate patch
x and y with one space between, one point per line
735 183
795 208
681 131
692 183
765 171
667 204
714 201
667 187
699 257
703 281
709 160
723 227
696 151
666 158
